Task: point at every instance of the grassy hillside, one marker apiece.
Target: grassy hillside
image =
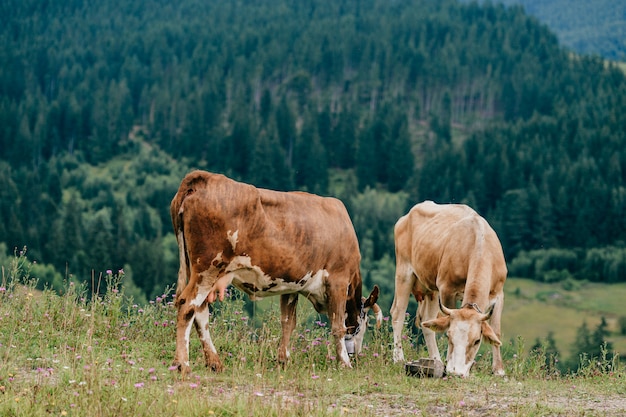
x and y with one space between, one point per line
63 355
533 309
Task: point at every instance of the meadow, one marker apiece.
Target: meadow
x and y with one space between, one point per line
79 354
533 309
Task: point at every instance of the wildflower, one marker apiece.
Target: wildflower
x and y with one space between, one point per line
109 272
172 368
193 385
139 385
151 370
120 272
315 376
461 403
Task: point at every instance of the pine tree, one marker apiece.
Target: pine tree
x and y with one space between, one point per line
366 160
310 163
401 162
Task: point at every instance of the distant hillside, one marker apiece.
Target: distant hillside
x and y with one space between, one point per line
597 27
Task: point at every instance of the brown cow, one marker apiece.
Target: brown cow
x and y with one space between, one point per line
446 253
265 243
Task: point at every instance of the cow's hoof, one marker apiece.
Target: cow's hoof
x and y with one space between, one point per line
183 369
215 366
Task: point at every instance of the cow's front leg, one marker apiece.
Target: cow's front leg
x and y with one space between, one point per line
337 316
288 307
428 309
495 322
201 322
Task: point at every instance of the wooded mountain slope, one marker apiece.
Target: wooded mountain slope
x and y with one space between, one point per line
105 105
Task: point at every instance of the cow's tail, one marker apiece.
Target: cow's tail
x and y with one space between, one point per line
183 270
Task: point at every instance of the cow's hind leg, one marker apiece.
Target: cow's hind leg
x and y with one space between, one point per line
404 284
184 320
288 307
201 322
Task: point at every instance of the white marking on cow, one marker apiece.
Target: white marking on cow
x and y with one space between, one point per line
205 335
253 280
202 294
187 338
459 334
232 238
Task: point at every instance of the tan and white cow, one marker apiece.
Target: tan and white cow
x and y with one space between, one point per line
265 243
446 253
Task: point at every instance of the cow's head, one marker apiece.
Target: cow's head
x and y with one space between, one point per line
465 327
354 342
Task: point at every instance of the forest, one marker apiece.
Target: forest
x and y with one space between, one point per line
104 106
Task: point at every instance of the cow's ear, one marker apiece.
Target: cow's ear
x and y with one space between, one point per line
489 335
371 300
440 324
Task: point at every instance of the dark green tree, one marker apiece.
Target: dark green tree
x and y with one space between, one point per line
401 163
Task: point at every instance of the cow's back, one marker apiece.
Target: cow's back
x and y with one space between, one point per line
448 240
286 234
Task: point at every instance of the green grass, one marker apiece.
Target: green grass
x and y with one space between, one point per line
66 355
533 309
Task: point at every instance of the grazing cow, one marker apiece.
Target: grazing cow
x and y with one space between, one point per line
446 253
265 243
